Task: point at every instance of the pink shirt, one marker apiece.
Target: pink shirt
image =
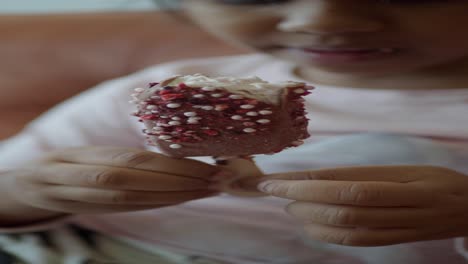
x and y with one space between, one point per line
348 127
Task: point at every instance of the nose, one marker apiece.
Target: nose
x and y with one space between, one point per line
331 17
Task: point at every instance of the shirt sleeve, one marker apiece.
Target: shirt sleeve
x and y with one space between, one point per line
100 116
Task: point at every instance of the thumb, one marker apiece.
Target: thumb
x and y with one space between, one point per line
400 174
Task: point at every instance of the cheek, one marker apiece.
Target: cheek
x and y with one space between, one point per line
444 38
247 32
260 31
243 25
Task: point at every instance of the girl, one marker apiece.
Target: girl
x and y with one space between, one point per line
382 179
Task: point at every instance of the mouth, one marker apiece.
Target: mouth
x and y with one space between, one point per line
350 51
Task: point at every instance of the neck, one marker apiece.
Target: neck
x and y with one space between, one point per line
441 77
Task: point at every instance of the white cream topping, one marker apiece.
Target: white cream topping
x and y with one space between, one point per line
251 87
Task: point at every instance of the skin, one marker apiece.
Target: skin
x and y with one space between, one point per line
361 206
375 206
365 206
97 180
432 55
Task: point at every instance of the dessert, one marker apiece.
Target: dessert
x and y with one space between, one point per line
224 117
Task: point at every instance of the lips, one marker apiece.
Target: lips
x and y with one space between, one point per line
348 50
343 55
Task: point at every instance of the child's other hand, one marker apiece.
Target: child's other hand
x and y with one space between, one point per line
374 206
106 180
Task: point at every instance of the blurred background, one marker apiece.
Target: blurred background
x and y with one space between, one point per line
48 6
51 50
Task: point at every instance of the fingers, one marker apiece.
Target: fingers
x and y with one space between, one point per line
136 159
351 216
116 178
118 197
364 236
74 207
379 194
402 174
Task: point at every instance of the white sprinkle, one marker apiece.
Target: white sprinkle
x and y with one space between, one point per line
236 96
252 113
221 107
207 107
247 106
154 111
175 146
158 129
216 95
151 107
173 105
176 118
299 91
297 143
230 127
199 96
139 90
174 123
195 118
148 113
190 114
266 112
208 89
164 137
163 116
197 106
249 130
263 121
192 121
236 117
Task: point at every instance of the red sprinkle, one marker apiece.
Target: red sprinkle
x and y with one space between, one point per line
169 97
166 92
211 132
148 117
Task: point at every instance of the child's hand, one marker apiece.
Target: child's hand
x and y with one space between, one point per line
106 180
373 206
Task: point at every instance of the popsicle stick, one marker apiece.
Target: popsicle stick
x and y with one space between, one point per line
243 168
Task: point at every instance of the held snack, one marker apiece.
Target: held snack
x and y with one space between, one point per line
223 117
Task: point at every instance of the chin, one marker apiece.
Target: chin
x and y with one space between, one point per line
383 67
